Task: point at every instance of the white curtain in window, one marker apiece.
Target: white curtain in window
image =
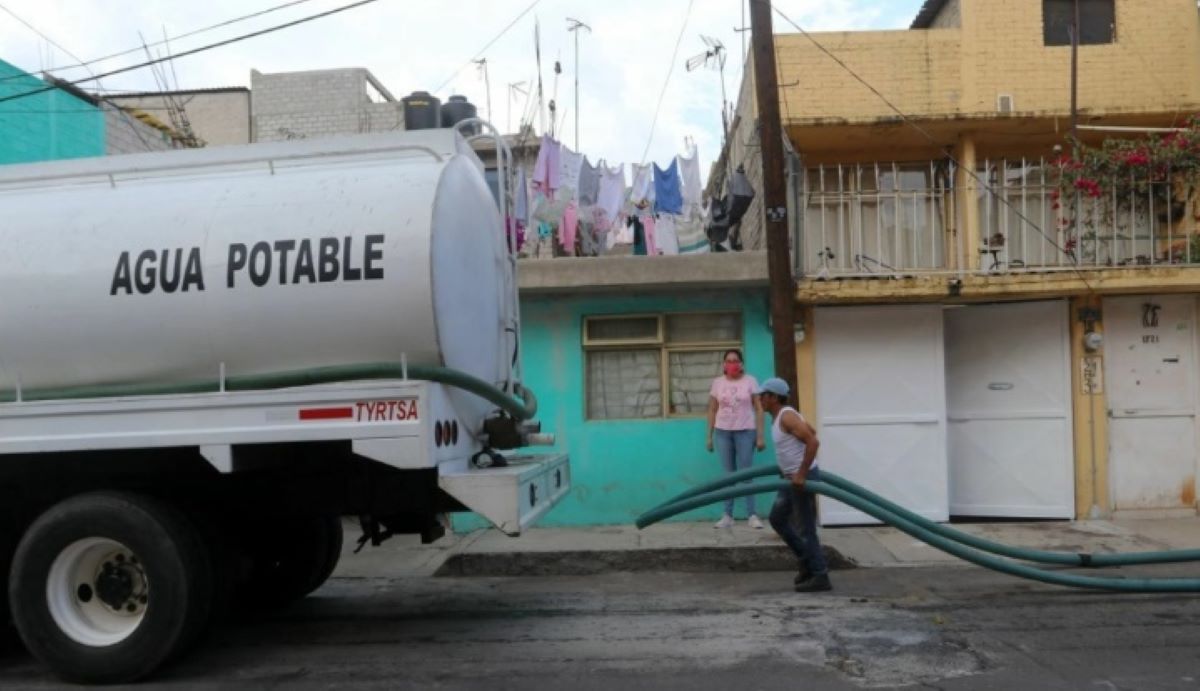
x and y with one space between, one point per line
624 384
691 376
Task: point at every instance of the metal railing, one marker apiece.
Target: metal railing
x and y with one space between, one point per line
878 218
1140 220
905 218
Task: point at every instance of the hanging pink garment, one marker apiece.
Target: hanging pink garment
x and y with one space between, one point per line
648 231
566 230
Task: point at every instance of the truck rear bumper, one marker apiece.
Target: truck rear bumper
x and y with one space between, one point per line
515 496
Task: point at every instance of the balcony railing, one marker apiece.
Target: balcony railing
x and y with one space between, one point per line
876 218
905 218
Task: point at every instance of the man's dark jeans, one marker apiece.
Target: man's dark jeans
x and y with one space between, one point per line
794 517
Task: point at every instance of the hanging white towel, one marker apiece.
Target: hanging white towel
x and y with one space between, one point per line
641 190
570 163
612 193
689 171
664 234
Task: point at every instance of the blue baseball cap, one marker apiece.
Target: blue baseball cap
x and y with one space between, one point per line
773 385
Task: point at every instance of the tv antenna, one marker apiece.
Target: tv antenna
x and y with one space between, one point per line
713 57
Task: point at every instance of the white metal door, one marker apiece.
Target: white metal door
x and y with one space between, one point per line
881 406
1008 405
1149 371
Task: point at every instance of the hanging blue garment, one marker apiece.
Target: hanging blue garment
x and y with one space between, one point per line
668 192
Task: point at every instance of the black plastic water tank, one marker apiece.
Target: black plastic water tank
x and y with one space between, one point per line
422 111
457 109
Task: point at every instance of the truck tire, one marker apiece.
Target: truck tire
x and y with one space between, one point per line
107 586
7 633
333 552
296 557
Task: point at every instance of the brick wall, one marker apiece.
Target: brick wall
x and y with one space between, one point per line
297 105
1152 67
918 71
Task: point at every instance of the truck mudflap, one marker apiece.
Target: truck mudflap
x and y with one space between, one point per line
514 496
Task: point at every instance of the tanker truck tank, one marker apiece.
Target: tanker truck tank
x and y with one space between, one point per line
173 267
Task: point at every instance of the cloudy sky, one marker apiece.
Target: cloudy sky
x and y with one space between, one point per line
422 44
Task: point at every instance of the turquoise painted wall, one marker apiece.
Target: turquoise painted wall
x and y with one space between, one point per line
45 126
620 468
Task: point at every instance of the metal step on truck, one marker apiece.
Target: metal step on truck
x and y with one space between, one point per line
209 357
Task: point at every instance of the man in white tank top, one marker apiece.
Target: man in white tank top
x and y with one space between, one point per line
794 515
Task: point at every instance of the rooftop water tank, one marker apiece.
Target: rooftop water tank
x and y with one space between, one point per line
422 111
457 109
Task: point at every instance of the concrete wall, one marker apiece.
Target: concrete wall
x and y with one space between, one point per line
620 468
296 105
593 275
218 117
46 126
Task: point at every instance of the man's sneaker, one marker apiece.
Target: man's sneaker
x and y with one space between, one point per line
725 522
754 522
816 584
804 575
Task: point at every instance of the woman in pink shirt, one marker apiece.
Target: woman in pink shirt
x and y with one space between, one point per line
735 426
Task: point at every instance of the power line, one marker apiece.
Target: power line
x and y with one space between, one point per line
489 44
129 121
194 51
670 70
933 140
194 32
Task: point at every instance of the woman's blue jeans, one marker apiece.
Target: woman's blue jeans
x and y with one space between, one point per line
736 449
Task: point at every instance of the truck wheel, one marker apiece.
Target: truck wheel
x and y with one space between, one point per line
298 555
107 586
332 554
7 634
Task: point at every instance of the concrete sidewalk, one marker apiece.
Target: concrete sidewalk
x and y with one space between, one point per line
700 547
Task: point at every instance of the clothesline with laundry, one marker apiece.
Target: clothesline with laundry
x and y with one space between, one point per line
568 206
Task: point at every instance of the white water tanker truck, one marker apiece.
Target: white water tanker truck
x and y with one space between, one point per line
209 357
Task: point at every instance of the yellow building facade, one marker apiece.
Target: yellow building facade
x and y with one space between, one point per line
974 341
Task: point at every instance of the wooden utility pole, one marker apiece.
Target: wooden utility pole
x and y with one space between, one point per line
774 194
1075 78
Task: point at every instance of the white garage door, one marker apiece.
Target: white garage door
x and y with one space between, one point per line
881 406
1149 372
1008 402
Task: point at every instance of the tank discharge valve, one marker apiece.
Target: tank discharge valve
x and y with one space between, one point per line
506 432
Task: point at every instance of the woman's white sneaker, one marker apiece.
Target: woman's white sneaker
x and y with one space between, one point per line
725 522
754 522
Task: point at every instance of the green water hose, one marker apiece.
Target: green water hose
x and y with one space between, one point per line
523 409
1025 554
1134 585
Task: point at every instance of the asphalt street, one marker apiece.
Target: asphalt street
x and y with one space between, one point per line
946 628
